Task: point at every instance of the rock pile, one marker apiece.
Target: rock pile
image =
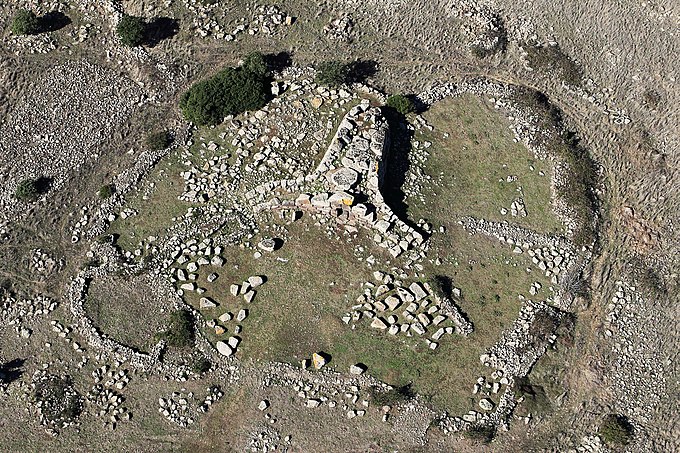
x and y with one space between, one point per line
407 310
522 345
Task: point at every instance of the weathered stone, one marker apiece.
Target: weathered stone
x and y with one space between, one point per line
255 281
486 404
233 342
188 286
225 317
267 244
357 369
392 302
224 349
318 360
206 302
418 291
378 323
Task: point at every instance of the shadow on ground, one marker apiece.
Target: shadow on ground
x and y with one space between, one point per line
159 29
53 21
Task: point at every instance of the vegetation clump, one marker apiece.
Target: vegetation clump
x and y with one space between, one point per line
59 402
579 173
391 397
158 140
553 60
131 30
200 365
230 92
616 429
106 191
181 332
441 286
25 22
28 190
256 64
495 40
332 73
402 104
480 434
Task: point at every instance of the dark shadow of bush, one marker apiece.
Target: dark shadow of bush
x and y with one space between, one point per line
277 62
361 70
53 21
160 29
11 371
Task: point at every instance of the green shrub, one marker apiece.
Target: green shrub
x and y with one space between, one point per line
25 22
441 286
497 35
482 434
27 190
332 73
181 332
106 191
255 64
391 397
200 365
576 185
401 104
158 140
131 30
229 92
616 429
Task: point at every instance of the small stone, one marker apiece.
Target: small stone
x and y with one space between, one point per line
224 349
319 360
486 404
357 369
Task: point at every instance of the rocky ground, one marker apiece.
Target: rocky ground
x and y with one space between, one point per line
354 282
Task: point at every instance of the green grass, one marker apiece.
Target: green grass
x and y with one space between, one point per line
297 312
475 161
155 213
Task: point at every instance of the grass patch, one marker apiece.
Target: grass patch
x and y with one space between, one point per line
116 307
297 312
473 164
154 212
616 430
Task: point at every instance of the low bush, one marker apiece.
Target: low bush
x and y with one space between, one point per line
27 190
441 285
554 61
580 175
106 191
25 22
481 434
200 365
494 40
181 332
332 73
391 397
131 30
616 429
158 140
229 92
255 63
59 401
402 104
